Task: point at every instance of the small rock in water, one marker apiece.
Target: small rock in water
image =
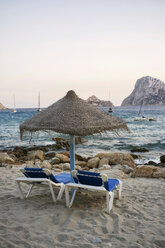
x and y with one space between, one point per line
96 240
151 162
139 149
162 158
136 156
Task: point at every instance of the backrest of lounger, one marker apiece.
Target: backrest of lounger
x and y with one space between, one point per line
35 173
89 178
40 173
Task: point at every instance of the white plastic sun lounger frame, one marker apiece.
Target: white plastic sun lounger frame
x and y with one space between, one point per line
42 182
78 186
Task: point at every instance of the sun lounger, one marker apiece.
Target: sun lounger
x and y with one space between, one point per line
92 181
42 177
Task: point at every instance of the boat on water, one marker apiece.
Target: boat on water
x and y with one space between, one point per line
39 108
110 110
14 109
142 117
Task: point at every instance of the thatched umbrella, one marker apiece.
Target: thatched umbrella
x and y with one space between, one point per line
74 116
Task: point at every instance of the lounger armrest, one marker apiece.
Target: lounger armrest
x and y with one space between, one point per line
104 177
74 175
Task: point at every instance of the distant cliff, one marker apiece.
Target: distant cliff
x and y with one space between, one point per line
147 89
97 102
2 107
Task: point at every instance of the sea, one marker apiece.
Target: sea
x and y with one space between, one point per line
146 134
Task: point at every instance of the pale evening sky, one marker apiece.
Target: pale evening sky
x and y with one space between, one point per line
98 47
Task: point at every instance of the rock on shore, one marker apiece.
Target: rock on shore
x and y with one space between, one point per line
60 161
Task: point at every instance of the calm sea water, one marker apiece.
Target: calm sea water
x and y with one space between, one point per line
148 134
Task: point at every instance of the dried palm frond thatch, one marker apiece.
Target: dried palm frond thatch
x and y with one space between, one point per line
74 116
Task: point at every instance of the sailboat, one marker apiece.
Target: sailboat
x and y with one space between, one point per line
39 109
110 110
141 116
14 110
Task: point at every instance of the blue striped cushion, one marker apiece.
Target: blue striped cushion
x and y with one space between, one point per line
89 178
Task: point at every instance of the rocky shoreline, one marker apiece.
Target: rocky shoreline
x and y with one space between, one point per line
51 158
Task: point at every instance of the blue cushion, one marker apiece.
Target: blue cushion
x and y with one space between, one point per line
111 184
61 178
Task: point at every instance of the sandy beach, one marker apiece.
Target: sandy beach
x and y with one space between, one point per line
137 220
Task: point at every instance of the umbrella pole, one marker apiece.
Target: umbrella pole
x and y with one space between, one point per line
72 154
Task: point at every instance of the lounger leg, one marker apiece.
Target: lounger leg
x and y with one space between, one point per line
62 188
73 196
67 197
119 189
109 198
30 189
19 189
52 192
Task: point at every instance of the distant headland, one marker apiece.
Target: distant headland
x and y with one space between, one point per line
2 106
99 103
149 90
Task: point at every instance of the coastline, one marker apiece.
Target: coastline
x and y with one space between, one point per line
143 134
137 220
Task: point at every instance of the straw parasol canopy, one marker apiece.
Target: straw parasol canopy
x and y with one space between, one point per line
74 116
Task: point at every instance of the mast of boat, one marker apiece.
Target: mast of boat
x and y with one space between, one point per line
39 109
110 108
14 110
140 107
109 95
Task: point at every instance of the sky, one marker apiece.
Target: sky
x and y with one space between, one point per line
94 47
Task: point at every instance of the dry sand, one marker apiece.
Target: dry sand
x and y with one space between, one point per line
137 220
